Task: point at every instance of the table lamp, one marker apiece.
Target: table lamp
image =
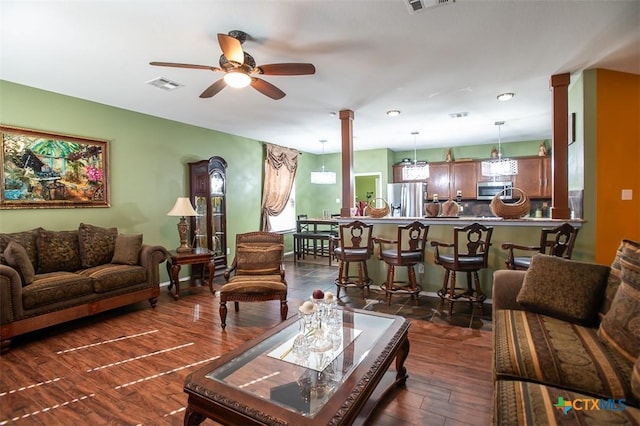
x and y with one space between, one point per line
183 208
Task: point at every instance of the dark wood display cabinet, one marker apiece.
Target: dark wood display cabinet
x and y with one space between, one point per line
207 191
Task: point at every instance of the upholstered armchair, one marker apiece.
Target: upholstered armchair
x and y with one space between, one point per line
256 273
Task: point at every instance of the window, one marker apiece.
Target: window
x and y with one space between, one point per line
285 221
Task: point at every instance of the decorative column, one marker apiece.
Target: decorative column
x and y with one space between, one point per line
560 146
348 179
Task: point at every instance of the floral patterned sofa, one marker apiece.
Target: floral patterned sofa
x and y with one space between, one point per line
50 277
567 342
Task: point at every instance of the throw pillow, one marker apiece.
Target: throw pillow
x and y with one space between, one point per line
97 244
615 277
564 289
17 257
127 250
259 260
620 327
58 251
27 239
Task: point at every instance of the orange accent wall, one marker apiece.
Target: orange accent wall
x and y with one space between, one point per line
618 161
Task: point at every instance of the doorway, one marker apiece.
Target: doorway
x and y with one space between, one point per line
368 186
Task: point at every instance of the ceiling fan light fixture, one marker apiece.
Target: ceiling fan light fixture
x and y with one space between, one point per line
505 96
237 79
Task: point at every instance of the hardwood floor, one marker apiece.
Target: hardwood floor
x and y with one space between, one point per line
128 366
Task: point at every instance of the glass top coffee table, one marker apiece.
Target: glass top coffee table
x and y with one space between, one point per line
264 383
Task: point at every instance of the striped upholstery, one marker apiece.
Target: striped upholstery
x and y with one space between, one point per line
620 327
523 403
543 349
55 287
112 276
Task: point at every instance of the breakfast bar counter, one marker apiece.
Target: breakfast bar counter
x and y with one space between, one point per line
525 231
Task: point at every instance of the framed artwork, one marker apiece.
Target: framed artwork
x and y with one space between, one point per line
49 170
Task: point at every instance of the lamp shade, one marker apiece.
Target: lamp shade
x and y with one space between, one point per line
182 207
415 172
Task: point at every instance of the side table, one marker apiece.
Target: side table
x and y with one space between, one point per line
176 260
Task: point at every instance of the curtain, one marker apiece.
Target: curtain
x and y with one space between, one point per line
280 167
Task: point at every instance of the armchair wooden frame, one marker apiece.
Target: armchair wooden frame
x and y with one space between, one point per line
558 241
254 287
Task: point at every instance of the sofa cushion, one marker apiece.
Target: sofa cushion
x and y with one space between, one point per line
127 249
565 289
620 327
259 260
268 277
58 251
523 404
17 257
96 244
27 239
113 276
544 349
55 287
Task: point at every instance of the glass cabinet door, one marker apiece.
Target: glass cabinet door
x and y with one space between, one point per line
217 186
200 228
208 195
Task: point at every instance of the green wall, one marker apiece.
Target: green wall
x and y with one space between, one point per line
148 159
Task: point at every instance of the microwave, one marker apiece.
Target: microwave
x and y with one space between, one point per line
488 190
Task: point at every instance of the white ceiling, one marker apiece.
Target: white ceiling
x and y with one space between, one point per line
370 56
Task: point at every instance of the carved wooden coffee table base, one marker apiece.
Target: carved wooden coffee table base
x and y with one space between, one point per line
252 386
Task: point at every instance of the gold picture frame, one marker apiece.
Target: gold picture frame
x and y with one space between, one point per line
51 170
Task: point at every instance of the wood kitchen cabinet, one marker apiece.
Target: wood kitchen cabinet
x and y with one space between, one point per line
446 179
439 181
463 178
534 176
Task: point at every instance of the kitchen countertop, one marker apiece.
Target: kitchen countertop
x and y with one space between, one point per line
463 220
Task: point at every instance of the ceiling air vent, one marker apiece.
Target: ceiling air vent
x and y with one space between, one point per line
164 83
418 5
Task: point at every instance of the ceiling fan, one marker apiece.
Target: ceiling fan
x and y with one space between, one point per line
240 68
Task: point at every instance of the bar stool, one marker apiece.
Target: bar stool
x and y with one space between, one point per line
408 250
354 244
558 241
468 253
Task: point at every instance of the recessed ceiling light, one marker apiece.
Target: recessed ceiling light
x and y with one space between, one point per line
505 96
164 83
393 113
458 114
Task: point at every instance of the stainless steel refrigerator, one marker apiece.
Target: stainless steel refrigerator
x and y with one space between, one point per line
407 199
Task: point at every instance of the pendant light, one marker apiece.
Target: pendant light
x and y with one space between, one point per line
499 166
415 171
323 178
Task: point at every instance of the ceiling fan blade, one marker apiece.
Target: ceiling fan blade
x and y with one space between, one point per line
231 48
267 88
287 69
175 65
214 89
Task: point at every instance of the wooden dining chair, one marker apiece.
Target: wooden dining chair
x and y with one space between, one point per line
469 253
558 241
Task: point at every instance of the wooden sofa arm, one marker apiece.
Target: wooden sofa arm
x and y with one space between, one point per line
506 286
10 295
